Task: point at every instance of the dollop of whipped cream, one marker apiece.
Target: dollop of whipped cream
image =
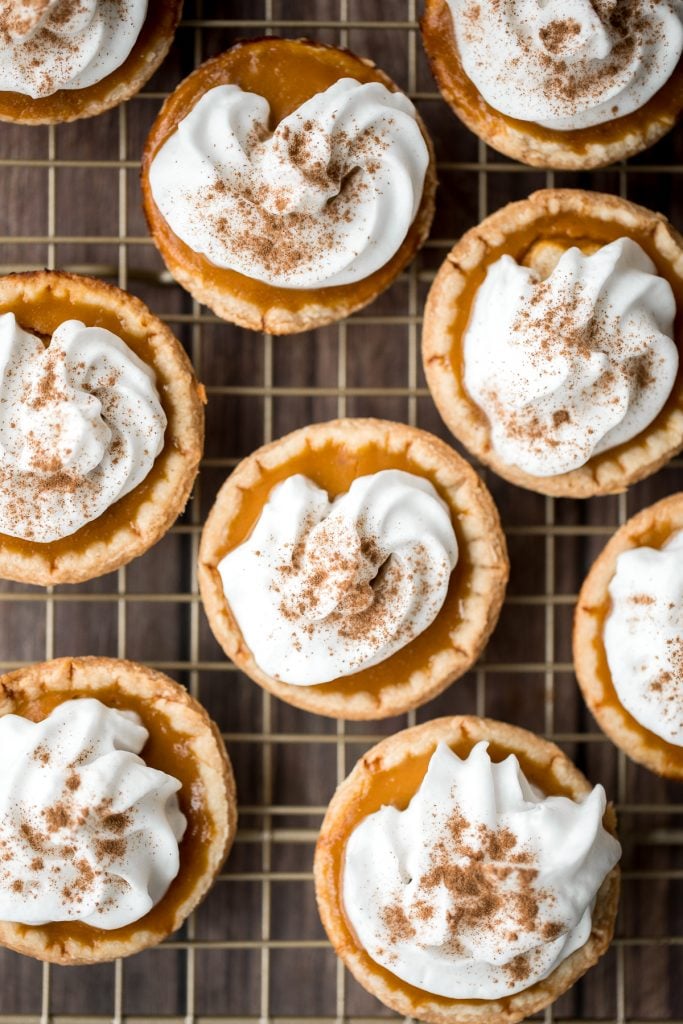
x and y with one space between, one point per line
568 64
482 886
48 45
326 199
322 589
81 424
575 364
643 636
88 831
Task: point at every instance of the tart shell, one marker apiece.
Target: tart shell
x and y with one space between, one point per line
478 529
231 304
461 733
161 496
183 717
612 471
524 141
151 48
590 660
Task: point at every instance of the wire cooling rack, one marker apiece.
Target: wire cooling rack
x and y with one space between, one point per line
255 949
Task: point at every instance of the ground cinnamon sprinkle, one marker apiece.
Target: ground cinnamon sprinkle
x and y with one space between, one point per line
50 834
491 882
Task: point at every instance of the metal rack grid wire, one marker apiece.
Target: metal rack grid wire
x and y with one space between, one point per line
255 950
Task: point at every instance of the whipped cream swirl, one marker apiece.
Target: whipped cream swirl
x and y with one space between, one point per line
643 636
326 199
88 831
568 64
322 589
482 886
573 365
81 424
48 45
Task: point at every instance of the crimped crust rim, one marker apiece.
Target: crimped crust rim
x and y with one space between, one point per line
482 534
391 752
91 675
642 456
231 305
167 498
615 721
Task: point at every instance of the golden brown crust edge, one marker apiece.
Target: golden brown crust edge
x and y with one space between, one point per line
184 713
392 752
182 393
153 55
527 147
480 530
638 743
609 474
231 306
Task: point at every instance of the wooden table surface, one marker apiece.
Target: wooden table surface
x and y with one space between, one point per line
255 949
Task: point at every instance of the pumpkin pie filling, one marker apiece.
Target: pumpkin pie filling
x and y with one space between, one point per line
167 751
67 104
651 528
386 777
662 109
43 320
334 469
286 73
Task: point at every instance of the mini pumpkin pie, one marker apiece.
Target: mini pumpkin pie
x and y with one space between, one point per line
628 638
117 808
557 86
287 183
61 60
551 342
353 568
466 871
101 428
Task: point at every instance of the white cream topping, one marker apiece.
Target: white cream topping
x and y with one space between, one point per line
326 199
482 886
643 636
81 424
568 64
322 589
573 365
48 45
88 831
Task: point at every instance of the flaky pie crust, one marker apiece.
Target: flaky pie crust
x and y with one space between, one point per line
231 304
183 399
531 145
150 49
610 472
478 529
465 731
216 790
590 662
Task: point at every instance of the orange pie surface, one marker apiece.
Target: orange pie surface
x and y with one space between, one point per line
67 104
286 73
439 37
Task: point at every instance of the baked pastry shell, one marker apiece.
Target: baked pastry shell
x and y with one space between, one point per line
612 471
151 48
526 142
538 756
85 555
478 529
590 661
329 304
182 715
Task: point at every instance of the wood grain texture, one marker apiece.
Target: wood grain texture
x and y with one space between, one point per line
287 762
